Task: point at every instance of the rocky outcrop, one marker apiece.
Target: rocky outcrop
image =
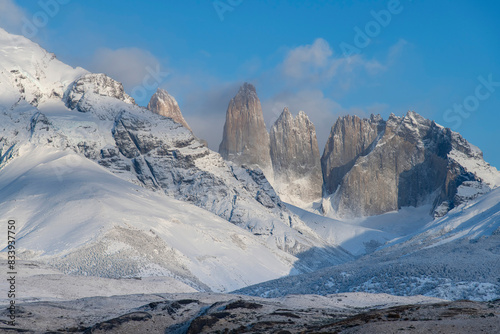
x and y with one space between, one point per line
295 158
165 104
351 137
94 84
372 167
245 139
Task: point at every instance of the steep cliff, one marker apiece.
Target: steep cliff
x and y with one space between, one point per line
245 139
164 104
372 167
295 158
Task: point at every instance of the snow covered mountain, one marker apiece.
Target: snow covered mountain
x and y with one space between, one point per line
372 166
102 187
369 166
95 160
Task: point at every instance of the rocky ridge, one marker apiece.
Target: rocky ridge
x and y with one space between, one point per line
95 118
372 166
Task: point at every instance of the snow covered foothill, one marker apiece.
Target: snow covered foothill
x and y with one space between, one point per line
453 257
37 281
84 220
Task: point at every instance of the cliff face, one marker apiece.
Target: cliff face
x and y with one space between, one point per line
245 139
295 158
372 167
165 104
351 137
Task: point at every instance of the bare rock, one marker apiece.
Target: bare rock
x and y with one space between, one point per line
373 167
351 137
165 104
245 139
296 159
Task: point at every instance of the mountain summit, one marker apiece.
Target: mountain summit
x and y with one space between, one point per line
372 166
165 104
245 139
295 157
122 191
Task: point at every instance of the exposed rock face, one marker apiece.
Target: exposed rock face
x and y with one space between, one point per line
351 137
164 104
245 139
295 158
373 167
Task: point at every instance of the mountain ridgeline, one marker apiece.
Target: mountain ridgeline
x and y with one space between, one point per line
368 167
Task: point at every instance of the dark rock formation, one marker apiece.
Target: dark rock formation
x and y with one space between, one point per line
373 167
295 157
245 139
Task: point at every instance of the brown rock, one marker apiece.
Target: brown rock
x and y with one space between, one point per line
350 138
164 104
373 167
245 140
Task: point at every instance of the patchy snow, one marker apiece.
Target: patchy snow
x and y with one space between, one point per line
477 166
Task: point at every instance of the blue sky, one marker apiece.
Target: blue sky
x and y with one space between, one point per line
438 58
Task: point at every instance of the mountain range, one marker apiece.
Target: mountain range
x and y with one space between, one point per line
99 186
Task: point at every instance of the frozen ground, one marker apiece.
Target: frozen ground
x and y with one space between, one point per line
193 313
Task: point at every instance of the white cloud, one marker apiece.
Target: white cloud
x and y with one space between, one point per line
11 16
396 50
130 66
316 63
309 59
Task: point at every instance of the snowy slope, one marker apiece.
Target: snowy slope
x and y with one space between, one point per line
28 71
454 257
364 235
84 220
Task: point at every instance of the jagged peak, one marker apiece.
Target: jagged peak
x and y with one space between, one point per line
162 103
355 119
302 114
247 88
98 84
415 117
376 118
286 116
160 95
